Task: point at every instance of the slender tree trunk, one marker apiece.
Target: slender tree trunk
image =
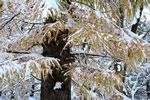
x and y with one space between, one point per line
54 49
148 88
135 26
120 20
121 16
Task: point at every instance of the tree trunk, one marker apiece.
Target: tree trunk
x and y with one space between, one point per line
121 16
148 88
135 26
54 49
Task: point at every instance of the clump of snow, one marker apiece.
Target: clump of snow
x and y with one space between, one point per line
98 13
58 85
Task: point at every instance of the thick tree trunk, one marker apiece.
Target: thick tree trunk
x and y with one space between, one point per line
47 87
54 49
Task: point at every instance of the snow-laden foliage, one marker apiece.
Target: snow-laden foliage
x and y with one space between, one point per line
116 42
22 67
98 31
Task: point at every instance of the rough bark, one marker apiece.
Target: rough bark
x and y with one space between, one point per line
54 49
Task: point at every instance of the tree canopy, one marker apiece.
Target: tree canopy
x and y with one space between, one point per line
98 32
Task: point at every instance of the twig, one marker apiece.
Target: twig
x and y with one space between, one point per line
146 34
31 28
33 23
89 54
19 52
35 77
9 21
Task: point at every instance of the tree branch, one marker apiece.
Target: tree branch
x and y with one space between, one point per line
31 28
18 52
33 23
23 52
9 21
35 77
89 54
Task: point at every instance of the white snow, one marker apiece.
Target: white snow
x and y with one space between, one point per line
50 4
138 13
146 12
58 85
5 56
31 98
119 68
98 13
134 21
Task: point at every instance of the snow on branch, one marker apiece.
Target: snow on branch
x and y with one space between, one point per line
23 67
103 35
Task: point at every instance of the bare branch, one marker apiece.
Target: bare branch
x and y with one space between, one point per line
89 54
31 28
9 21
35 77
18 52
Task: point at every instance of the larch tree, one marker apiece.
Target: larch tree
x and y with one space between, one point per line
86 42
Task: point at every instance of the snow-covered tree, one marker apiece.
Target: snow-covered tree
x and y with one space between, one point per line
87 42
